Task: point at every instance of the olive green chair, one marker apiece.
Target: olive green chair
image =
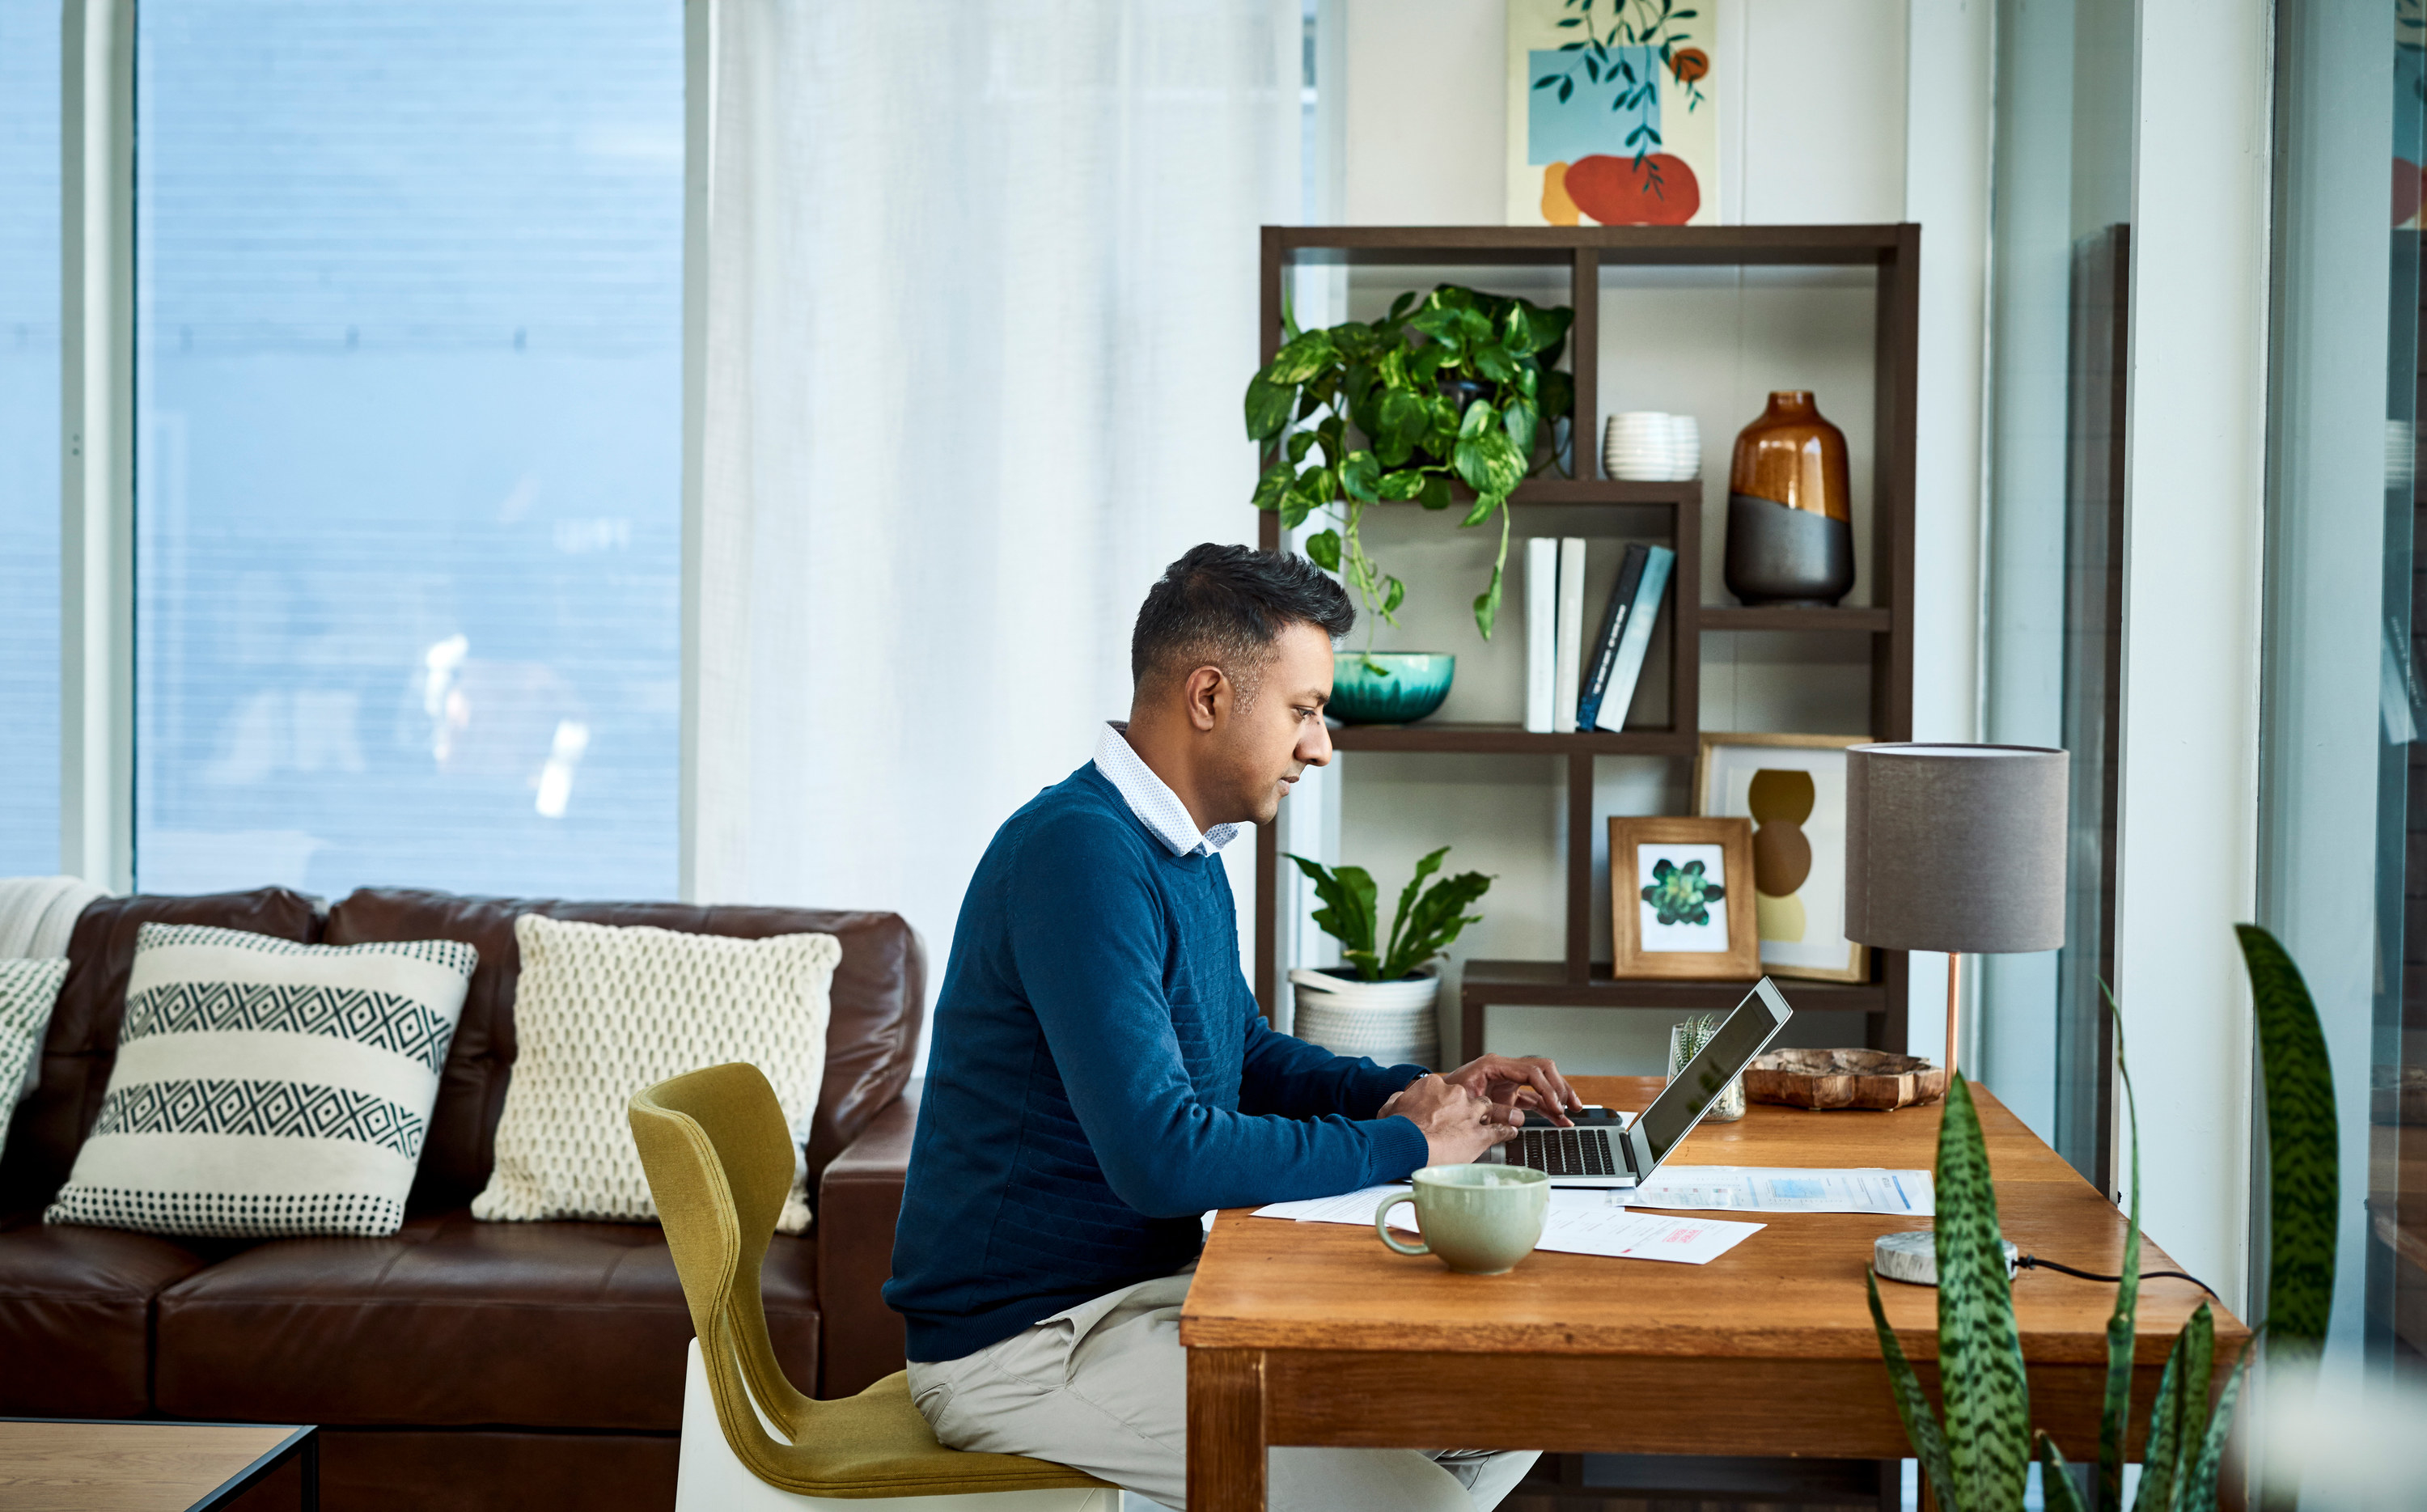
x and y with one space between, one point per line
720 1162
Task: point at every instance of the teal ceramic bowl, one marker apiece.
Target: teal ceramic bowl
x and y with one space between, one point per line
1389 686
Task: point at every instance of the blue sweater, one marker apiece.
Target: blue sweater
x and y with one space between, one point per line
1099 1077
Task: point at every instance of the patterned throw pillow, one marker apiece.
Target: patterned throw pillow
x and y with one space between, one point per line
601 1012
27 990
265 1087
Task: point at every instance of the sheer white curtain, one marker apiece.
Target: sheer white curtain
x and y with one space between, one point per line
981 304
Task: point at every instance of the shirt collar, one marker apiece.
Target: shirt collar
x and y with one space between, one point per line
1152 799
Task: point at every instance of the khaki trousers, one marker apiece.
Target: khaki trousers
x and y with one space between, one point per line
1103 1388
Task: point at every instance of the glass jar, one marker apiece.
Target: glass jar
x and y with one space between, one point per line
1686 1041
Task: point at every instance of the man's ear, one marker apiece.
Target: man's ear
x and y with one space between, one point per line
1209 694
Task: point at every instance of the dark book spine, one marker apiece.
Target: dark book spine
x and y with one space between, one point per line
1613 626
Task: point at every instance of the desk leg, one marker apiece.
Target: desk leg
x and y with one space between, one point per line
1226 1430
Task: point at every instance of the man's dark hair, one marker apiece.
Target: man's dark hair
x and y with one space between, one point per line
1224 606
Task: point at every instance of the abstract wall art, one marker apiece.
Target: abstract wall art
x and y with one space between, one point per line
1792 788
1611 120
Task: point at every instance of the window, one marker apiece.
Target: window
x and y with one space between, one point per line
408 389
29 436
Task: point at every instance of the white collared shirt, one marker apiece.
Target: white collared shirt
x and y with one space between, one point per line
1152 799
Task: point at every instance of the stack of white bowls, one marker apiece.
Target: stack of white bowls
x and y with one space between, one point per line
1647 446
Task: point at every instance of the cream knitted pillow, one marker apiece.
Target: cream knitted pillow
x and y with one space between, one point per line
600 1013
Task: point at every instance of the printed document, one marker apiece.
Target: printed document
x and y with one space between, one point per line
1581 1222
1786 1189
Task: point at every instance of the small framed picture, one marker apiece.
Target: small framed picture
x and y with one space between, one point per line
1680 889
1792 789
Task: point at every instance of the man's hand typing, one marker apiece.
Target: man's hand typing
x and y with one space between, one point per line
1459 1125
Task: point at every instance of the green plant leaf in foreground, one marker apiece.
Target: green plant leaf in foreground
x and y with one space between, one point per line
1920 1423
2302 1177
1980 1374
2179 1417
2117 1412
2057 1489
2199 1481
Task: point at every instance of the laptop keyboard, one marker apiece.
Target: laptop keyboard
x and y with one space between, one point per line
1564 1151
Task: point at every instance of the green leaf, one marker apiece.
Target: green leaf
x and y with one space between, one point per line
1434 494
1323 550
1477 420
1408 483
1516 330
2302 1179
2114 1419
1361 477
1492 361
1393 594
1399 307
1979 1355
1301 359
1268 407
1487 604
1482 511
1558 396
1273 485
1436 921
1299 444
1489 463
2057 1490
1404 418
1347 914
1315 487
1520 420
2199 1483
1424 868
1920 1424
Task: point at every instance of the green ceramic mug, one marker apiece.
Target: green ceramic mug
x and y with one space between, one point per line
1479 1219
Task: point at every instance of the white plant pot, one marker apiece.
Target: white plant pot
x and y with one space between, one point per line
1391 1022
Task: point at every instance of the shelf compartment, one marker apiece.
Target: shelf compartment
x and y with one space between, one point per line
1509 739
1778 617
1545 984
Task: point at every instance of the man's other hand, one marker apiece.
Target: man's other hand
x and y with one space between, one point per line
1459 1124
1521 1083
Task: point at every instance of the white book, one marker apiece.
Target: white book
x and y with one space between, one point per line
1634 640
1568 682
1541 632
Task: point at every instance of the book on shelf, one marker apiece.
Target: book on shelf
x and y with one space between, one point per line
1625 635
1541 633
1568 678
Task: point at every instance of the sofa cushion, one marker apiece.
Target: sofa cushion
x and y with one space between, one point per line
81 1046
75 1317
878 998
453 1322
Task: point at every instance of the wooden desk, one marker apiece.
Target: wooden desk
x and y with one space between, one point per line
1303 1333
52 1465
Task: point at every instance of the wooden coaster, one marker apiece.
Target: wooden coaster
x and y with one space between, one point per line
1843 1078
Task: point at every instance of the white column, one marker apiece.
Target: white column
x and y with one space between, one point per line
2190 697
97 443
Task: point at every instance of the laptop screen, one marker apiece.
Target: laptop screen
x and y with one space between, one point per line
1673 1113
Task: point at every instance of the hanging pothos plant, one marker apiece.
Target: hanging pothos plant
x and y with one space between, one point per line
1453 385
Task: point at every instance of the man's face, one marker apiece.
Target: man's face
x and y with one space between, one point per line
1260 752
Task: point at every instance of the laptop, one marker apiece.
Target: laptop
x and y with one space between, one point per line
1613 1150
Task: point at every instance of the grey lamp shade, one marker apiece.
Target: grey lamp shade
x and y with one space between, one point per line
1956 848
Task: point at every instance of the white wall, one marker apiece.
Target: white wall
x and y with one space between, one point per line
1814 97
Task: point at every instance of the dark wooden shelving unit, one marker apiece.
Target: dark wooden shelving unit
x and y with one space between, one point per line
1893 252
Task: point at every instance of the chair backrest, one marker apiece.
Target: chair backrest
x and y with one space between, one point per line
719 1159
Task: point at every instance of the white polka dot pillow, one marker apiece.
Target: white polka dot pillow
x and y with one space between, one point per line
27 990
602 1012
265 1087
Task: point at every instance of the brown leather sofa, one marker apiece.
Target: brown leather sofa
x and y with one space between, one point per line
458 1364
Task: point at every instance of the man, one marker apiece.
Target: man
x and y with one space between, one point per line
1100 1076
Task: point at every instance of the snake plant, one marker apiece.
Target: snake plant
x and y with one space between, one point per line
1977 1457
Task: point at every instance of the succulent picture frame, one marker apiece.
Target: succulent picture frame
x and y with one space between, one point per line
1681 899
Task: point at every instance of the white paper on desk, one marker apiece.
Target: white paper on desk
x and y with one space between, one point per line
1628 1235
1786 1189
1582 1221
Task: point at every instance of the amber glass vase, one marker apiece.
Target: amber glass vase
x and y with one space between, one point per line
1790 521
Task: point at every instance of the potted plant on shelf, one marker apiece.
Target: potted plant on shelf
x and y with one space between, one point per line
1450 386
1380 1004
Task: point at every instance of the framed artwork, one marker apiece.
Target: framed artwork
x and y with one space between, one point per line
1680 899
1611 118
1792 789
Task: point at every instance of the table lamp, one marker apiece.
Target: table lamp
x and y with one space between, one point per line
1955 848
